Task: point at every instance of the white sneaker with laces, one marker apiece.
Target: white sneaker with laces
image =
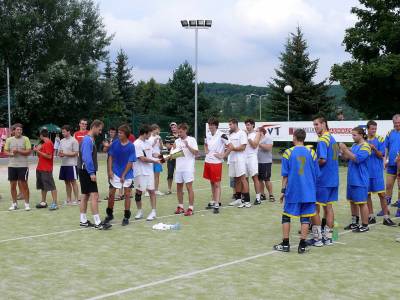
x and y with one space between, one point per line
236 202
245 205
13 207
152 216
159 193
139 215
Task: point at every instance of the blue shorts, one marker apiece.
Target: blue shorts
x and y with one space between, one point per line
357 194
327 195
306 209
391 170
157 168
376 185
68 173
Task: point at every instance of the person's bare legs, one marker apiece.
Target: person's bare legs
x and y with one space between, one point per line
44 194
156 181
189 187
179 193
74 185
95 203
54 196
13 190
68 189
24 188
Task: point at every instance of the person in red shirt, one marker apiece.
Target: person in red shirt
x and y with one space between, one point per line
79 135
44 170
131 138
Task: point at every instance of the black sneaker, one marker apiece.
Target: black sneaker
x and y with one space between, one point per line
271 198
210 205
41 205
257 202
303 249
87 224
371 220
108 219
263 197
281 247
361 229
216 210
388 222
125 221
351 226
103 226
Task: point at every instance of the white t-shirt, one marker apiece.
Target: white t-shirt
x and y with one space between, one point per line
237 139
186 163
216 144
143 148
250 151
69 145
156 146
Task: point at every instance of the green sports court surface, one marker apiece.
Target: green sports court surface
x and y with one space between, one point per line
46 255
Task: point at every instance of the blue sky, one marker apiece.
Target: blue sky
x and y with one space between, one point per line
243 44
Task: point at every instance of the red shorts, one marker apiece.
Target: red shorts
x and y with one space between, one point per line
212 172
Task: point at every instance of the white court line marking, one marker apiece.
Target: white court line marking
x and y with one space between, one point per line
190 274
116 293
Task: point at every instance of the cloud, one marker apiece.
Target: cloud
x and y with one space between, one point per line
243 44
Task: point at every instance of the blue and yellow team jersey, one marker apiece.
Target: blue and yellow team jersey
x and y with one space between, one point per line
375 164
392 144
357 173
300 165
328 150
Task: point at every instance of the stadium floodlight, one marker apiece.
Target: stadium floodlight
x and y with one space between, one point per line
196 25
248 97
288 90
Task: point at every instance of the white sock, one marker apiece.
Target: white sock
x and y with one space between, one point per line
191 207
216 203
316 230
258 196
328 232
180 205
386 217
213 202
14 204
83 218
26 204
96 219
153 211
139 211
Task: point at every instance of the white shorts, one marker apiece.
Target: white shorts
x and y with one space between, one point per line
251 166
144 182
237 168
184 177
115 182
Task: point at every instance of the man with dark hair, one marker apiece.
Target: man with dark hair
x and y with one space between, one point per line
80 134
121 157
237 163
44 170
169 142
87 165
18 148
144 173
68 151
264 156
185 168
299 177
375 170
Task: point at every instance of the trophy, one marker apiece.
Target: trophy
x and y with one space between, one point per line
175 153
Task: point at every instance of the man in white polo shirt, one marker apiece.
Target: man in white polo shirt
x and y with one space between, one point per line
184 173
251 151
214 147
237 164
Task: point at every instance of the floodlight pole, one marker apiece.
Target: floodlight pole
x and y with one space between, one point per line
195 81
288 110
8 99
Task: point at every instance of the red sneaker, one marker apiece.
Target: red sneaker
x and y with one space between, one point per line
189 212
179 210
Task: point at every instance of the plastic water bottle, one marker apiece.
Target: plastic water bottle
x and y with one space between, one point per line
176 226
335 234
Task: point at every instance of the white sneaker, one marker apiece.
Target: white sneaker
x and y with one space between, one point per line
245 205
13 207
236 202
139 215
74 203
159 193
146 194
152 216
27 208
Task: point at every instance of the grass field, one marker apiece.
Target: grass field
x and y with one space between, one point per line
45 255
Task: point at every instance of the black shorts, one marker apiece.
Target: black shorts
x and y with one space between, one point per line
15 174
171 168
45 181
264 171
87 185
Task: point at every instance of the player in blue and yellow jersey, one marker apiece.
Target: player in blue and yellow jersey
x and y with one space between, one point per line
327 182
299 177
357 178
375 170
392 143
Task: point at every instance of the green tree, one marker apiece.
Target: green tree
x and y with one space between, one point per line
298 70
124 80
372 78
